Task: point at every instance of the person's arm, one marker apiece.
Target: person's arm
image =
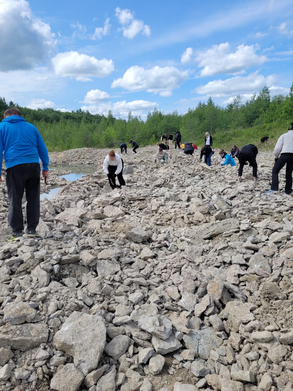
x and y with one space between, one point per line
105 165
1 155
43 152
278 147
225 161
119 166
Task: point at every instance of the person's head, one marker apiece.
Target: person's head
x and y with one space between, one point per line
112 154
234 147
291 126
207 134
130 141
12 111
158 144
222 153
160 149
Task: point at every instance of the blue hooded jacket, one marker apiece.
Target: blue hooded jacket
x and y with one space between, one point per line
21 143
228 160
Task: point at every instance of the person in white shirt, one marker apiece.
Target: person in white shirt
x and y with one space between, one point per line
113 166
283 155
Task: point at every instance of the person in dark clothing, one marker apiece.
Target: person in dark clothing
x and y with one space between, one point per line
23 148
134 145
170 138
163 146
188 150
205 151
164 138
248 154
123 148
235 151
113 166
177 139
209 142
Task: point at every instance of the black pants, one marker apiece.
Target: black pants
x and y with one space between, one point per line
134 149
112 176
189 152
243 158
177 144
285 158
123 149
24 177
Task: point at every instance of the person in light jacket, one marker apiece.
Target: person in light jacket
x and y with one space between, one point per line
227 159
283 155
113 166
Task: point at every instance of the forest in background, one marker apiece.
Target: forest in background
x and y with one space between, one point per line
238 123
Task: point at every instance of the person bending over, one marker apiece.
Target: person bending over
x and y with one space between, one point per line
134 145
226 159
23 148
188 149
123 148
235 151
283 155
248 154
113 166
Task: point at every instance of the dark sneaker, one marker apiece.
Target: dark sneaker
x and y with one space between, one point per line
16 236
32 233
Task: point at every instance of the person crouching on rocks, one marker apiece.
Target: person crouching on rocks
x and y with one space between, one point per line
227 159
134 145
162 156
248 154
123 148
113 166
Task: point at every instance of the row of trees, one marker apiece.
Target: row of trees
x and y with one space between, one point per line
237 123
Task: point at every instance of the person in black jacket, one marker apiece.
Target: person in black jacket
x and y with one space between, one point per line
235 151
123 148
134 145
188 150
177 139
205 151
248 154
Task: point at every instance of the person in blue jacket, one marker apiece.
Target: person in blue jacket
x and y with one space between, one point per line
227 159
23 148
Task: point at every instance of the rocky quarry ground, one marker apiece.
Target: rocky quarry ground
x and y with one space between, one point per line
181 281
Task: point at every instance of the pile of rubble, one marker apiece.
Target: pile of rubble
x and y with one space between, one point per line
181 281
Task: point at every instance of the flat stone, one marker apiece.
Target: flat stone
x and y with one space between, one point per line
68 378
108 381
156 364
201 342
23 337
166 346
184 387
76 338
18 313
118 346
199 368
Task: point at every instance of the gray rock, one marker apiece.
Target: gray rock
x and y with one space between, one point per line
107 382
166 346
76 338
184 387
158 326
199 368
156 364
5 356
201 342
138 235
23 337
5 372
118 346
68 378
18 313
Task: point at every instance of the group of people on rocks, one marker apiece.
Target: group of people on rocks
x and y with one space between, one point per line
23 148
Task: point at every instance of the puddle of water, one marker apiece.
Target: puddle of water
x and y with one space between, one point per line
72 177
69 177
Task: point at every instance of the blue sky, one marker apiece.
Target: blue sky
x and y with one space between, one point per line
139 56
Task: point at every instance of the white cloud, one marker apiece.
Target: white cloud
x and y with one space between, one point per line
166 94
186 56
284 30
95 96
25 41
260 35
79 30
275 90
250 84
100 31
122 108
77 65
155 80
219 59
41 104
130 26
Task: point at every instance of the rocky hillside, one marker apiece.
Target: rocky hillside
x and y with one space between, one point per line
181 281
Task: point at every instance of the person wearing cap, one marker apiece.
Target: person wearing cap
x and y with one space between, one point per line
23 148
248 154
113 166
283 155
226 159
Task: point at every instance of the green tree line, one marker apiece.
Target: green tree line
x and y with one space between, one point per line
237 123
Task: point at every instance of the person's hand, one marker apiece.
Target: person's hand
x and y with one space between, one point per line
1 178
45 174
